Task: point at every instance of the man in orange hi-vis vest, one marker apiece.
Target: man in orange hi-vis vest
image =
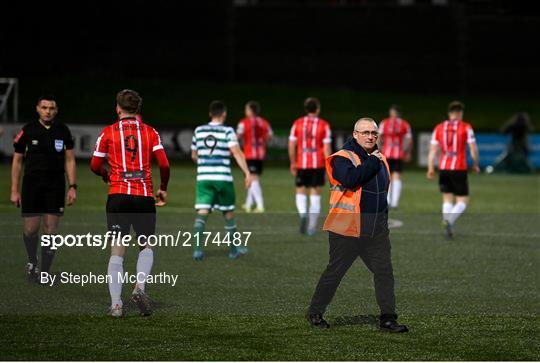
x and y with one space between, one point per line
357 224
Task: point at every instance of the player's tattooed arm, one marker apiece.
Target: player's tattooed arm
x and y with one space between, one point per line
164 174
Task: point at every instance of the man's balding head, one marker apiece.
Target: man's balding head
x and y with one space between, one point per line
366 133
364 120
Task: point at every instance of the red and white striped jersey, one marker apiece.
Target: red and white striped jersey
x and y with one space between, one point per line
255 132
129 144
452 137
310 134
394 131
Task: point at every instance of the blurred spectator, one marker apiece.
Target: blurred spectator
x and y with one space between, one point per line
514 158
518 126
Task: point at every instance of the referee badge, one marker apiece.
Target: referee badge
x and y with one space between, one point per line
59 145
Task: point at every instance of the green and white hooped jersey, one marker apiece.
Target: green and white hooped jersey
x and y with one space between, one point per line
212 142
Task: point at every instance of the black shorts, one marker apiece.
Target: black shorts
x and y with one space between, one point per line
395 165
43 195
310 177
454 181
124 211
255 166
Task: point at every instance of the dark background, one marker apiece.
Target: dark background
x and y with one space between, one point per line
465 46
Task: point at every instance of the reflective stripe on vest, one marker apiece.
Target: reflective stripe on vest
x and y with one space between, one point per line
352 157
345 206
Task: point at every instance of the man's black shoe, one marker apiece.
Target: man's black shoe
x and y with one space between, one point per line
392 326
317 321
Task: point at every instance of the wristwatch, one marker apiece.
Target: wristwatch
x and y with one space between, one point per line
74 186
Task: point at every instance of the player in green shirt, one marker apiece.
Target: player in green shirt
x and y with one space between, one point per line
212 146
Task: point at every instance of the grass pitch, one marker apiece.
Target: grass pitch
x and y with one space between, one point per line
475 298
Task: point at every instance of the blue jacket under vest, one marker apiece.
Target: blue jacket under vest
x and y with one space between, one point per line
374 179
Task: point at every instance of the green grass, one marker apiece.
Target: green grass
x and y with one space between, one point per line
475 298
185 104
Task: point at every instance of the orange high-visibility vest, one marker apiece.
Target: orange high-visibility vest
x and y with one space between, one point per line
344 214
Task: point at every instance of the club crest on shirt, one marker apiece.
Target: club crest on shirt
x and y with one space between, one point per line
59 145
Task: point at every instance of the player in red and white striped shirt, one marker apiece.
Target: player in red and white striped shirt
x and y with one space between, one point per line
254 131
395 139
310 143
129 145
452 137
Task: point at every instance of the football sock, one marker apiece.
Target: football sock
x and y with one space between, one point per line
230 228
301 204
31 244
198 227
458 209
314 210
144 266
257 193
47 256
114 273
447 211
396 193
249 198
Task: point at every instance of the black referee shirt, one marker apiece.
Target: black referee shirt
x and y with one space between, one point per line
44 148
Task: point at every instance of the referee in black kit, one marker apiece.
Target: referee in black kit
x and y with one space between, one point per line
46 146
